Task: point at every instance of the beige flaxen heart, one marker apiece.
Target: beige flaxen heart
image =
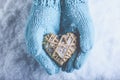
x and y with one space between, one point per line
60 49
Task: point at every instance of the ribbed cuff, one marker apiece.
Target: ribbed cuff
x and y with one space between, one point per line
48 3
83 1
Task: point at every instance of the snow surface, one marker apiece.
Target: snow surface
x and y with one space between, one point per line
102 64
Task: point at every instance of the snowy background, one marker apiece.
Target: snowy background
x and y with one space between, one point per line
102 64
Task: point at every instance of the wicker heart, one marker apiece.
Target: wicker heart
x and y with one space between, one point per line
60 49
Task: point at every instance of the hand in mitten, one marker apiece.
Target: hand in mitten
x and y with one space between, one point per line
75 18
44 18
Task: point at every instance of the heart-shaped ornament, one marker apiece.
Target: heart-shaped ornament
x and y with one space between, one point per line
60 49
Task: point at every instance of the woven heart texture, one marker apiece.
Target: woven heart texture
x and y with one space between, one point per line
60 48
